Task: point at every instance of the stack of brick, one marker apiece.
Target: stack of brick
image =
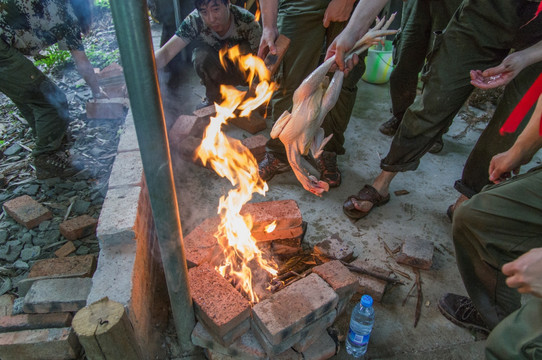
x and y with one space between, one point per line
256 145
111 80
55 289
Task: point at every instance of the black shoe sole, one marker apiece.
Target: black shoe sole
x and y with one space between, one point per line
464 325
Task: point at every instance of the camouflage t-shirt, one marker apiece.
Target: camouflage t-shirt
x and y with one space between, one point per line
33 25
245 28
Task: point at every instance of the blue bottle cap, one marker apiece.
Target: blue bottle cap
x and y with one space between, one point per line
366 301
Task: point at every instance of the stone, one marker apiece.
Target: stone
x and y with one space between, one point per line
6 304
39 344
80 207
11 250
288 311
323 348
34 321
334 248
245 347
253 123
217 303
105 109
27 211
30 253
13 150
341 280
65 249
57 295
17 306
78 227
200 244
19 264
4 234
416 252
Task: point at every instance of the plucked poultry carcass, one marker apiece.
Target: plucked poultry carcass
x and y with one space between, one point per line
300 130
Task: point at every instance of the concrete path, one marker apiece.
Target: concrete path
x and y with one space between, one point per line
422 213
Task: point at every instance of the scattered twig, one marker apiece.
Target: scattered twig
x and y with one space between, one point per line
54 244
402 273
420 297
72 201
373 274
388 250
25 147
409 292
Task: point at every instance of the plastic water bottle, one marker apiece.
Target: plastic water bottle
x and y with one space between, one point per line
361 325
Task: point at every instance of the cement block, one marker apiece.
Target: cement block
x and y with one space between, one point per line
65 249
341 280
334 248
105 109
128 138
323 348
416 252
273 350
41 344
217 303
253 123
27 211
286 213
201 243
291 309
245 347
118 216
78 227
368 284
127 170
317 329
114 262
57 295
35 321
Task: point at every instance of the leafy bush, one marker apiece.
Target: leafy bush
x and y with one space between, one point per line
54 58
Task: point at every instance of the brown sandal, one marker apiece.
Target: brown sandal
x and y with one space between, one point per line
368 193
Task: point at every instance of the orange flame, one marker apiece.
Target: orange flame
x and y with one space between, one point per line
232 160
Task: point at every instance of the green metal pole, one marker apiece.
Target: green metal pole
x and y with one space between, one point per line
135 44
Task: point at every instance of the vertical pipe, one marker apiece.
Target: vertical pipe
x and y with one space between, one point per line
135 44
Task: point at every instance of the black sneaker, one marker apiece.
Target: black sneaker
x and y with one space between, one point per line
461 311
390 127
271 166
329 172
55 164
437 146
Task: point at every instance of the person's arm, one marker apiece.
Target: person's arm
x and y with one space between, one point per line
525 273
338 11
508 69
364 14
527 144
270 32
169 50
85 69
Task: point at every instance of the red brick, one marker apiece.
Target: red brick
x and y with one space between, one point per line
41 344
206 112
201 243
34 321
338 277
217 303
186 149
27 211
101 109
254 123
287 246
74 266
416 252
272 62
113 70
368 284
323 348
65 250
285 212
78 227
256 145
184 126
116 90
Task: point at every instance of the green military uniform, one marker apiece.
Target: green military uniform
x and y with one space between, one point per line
495 227
420 20
480 35
244 31
302 22
26 27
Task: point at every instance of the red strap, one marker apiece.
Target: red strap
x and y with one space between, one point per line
524 105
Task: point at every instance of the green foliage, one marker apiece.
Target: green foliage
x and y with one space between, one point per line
54 58
100 57
102 4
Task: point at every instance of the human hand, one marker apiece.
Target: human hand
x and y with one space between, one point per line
503 165
339 48
499 75
267 42
338 11
525 273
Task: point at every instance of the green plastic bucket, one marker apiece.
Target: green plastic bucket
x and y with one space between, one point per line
379 63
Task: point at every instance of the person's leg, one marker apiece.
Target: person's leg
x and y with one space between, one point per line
41 102
475 173
494 227
519 335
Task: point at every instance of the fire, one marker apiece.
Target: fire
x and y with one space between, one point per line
271 227
232 160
